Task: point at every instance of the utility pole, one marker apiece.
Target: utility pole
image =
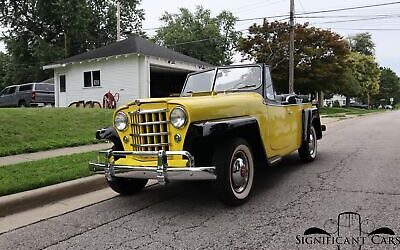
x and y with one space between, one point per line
291 49
65 45
118 21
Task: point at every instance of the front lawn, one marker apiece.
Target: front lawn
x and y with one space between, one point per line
30 175
343 112
25 130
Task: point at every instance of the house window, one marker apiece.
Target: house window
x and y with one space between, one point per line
91 78
62 83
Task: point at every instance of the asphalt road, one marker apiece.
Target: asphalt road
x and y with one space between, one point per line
357 170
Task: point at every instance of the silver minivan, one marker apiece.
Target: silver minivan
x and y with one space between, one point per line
26 95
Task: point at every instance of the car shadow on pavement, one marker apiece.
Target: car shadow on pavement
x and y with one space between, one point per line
202 193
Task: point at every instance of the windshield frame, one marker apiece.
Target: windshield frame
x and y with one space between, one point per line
196 73
239 66
214 78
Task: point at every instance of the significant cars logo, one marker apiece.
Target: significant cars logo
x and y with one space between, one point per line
349 232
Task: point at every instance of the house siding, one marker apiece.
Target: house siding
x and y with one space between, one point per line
125 74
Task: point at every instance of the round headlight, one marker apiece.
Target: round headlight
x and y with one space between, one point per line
178 117
121 121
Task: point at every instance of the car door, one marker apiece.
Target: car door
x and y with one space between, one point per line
4 97
11 100
282 119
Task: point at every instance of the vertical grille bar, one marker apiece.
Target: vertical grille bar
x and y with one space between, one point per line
149 130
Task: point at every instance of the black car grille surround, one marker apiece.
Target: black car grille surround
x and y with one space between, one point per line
149 130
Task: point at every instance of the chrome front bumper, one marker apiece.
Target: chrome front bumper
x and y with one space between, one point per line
162 172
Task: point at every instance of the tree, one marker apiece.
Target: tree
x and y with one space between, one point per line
351 87
366 72
389 86
320 55
43 31
210 39
4 67
362 43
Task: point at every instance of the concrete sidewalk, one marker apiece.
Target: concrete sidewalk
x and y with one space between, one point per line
14 159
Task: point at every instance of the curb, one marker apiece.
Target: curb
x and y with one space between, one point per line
19 202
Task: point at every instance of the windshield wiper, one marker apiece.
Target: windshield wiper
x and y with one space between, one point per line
237 87
247 86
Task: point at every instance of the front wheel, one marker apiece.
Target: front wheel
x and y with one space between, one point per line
127 186
308 151
235 171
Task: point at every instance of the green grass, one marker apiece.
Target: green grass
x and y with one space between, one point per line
35 129
342 112
27 176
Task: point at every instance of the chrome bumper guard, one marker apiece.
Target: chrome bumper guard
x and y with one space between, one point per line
162 172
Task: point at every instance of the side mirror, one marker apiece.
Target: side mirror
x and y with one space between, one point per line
291 99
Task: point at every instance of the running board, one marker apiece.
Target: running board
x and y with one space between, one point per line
274 160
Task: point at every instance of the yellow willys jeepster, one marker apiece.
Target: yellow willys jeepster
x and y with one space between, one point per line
226 121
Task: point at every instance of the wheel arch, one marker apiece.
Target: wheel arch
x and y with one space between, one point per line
311 117
202 137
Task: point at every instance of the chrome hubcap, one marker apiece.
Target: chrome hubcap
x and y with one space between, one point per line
239 172
312 144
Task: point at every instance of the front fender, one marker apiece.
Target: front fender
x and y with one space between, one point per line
220 127
202 137
111 135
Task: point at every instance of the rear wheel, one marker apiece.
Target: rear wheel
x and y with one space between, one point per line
21 104
235 171
308 151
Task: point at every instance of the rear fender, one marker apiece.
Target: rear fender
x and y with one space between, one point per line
311 117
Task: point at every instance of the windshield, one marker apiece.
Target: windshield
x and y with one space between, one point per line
238 78
199 82
226 79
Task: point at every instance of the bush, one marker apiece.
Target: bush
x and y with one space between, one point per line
336 104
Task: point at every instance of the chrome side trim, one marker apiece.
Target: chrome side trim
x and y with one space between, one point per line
274 160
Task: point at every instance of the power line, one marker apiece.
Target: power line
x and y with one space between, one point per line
188 42
360 19
369 29
323 11
347 16
352 8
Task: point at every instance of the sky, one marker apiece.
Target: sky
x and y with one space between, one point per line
387 41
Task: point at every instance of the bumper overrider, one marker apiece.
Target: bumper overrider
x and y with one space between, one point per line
162 172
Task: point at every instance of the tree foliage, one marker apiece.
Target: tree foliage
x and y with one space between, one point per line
389 86
320 55
4 68
366 72
43 31
198 34
362 43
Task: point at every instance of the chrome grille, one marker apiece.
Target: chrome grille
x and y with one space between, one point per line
149 130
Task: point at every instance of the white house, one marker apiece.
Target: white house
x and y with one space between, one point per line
335 98
133 68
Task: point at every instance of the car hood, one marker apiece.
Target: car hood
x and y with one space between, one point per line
212 106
